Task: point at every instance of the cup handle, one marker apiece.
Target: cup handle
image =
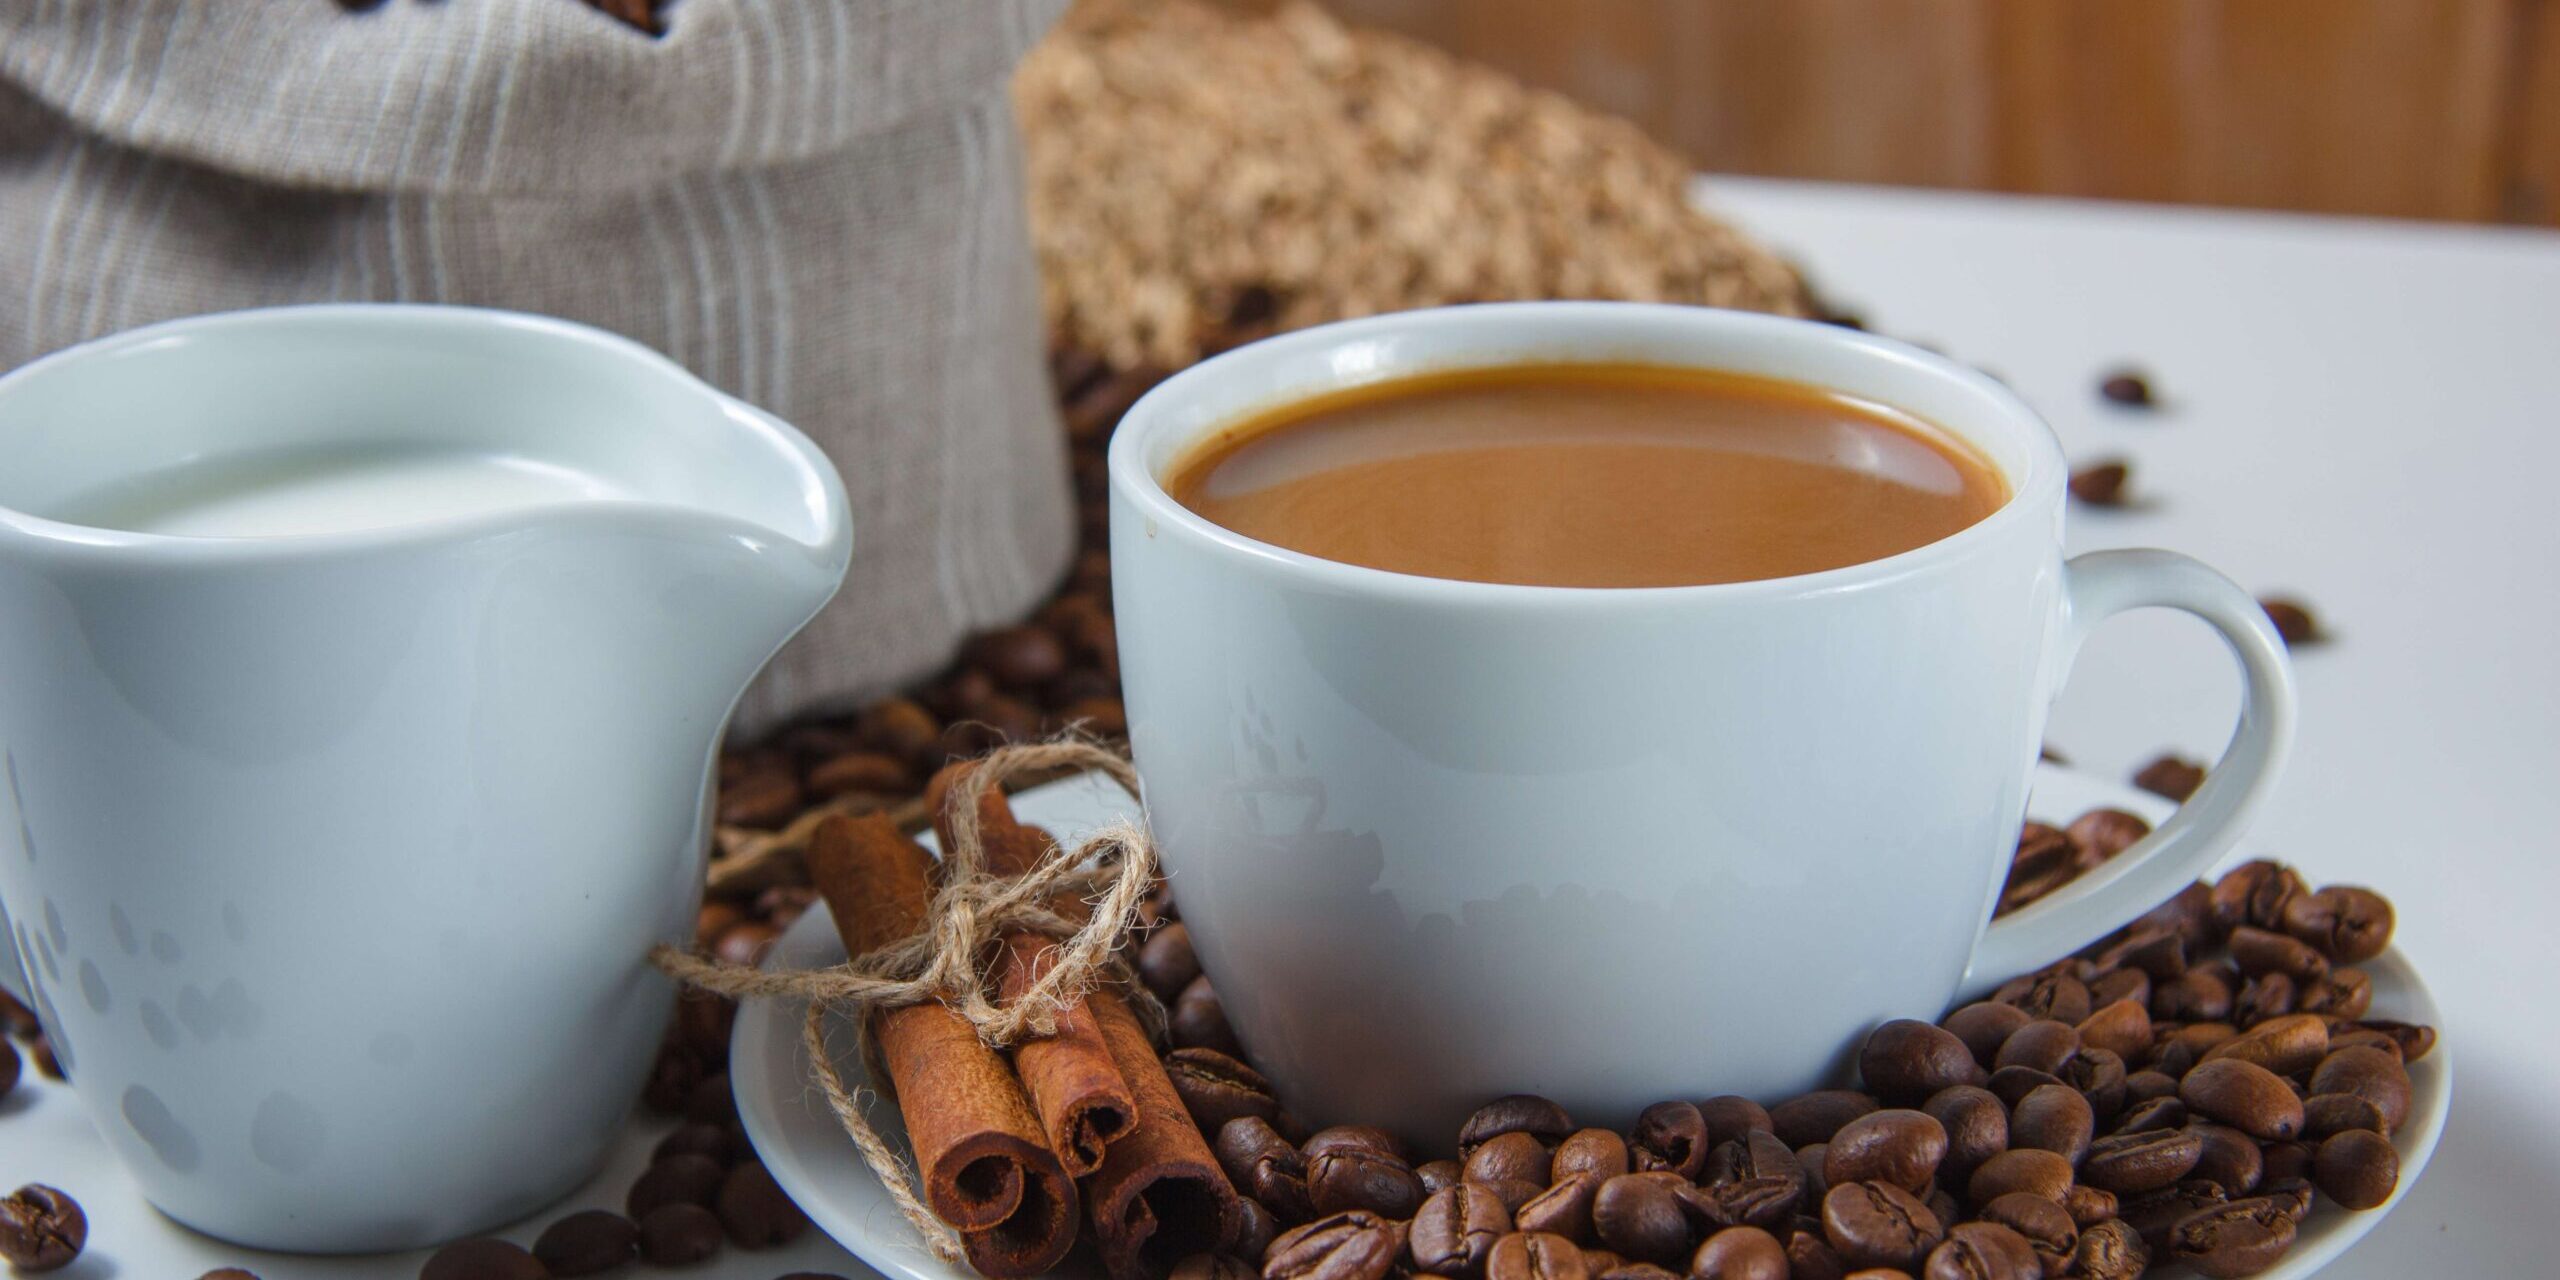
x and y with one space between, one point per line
2097 587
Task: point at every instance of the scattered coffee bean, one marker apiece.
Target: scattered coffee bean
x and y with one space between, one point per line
1017 658
1638 1215
671 1080
1346 1177
2037 1173
1977 1128
2293 621
683 1179
2246 1096
1518 1113
1814 1117
2283 1162
1166 963
1517 1196
2241 1238
2087 1205
755 1210
1212 1266
2121 1027
1905 1062
1364 1136
17 1019
2128 388
1511 1155
1669 1135
484 1258
586 1243
2370 1073
1739 1253
1216 1088
2171 776
2044 1045
1730 1116
1877 1224
41 1228
2230 1160
1811 1257
1438 1175
1527 1255
1896 1146
1983 1251
1561 1210
1756 1182
2261 951
2325 1114
2050 995
2109 1251
2040 1222
1985 1026
2155 1213
2101 484
1598 1153
2101 834
2132 1163
707 1140
680 1234
2357 1168
229 1273
1255 1227
1200 1022
1455 1229
48 1063
2054 1118
2349 925
2287 1045
10 1067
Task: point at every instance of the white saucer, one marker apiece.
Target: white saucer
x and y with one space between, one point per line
812 1159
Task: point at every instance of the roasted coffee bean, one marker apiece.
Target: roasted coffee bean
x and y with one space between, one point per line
1213 1266
703 1024
243 1273
1814 1117
2198 995
2156 951
2045 860
2345 993
2325 1114
2101 834
683 1179
1345 1178
2087 1205
2352 1035
2154 1213
484 1258
2036 1173
1905 1061
1262 1164
2012 1084
671 1080
2170 776
2288 1045
2261 951
2188 913
1018 658
1533 1255
2108 1251
764 799
2054 1118
755 1210
10 1068
2099 1075
1669 1135
17 1019
1455 1229
1517 1196
1984 1026
2149 1085
2155 1113
1510 1155
2255 893
1352 1245
902 728
1729 1116
2349 925
2102 484
862 773
1255 1227
1983 1251
1216 1088
2132 1163
1622 1269
2122 984
41 1228
2198 1039
2369 1073
1198 1021
1811 1257
2058 997
2040 1222
1440 1173
2230 1160
2043 1045
1739 1253
2293 1196
1877 1224
1599 1261
2414 1040
1517 1113
1811 1159
2293 621
1977 1128
1637 1215
2357 1168
677 1235
2283 1162
2241 1238
712 1101
1561 1210
1166 963
2127 388
2121 1027
2246 1096
1754 1182
1902 1147
1599 1153
1365 1136
587 1242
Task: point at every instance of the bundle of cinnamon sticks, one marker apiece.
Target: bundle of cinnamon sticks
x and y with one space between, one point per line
1017 1147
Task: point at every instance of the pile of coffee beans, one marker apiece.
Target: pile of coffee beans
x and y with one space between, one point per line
2183 1091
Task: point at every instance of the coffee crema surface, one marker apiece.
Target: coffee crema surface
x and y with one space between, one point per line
1588 475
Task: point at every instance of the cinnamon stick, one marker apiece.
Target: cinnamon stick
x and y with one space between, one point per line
1160 1196
1076 1088
987 1167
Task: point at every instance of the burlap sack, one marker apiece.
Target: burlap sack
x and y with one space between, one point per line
815 204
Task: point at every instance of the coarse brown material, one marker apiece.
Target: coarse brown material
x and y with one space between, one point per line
987 1168
1075 1087
1160 1196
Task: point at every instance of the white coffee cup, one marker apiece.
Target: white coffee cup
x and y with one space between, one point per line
334 854
1439 841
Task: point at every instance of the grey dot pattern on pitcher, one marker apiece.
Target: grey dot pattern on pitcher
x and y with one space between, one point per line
160 1130
18 808
165 948
53 930
93 987
195 1010
287 1134
156 1024
123 929
235 926
234 1011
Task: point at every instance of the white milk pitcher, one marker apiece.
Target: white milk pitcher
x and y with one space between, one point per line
361 674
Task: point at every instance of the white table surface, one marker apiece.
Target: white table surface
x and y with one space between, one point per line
2366 414
2361 413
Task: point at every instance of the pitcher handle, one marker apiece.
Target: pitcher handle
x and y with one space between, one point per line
2099 586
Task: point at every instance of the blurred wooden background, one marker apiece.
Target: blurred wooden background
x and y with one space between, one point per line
2408 108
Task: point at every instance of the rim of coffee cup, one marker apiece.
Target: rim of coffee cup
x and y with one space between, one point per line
1164 423
821 490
